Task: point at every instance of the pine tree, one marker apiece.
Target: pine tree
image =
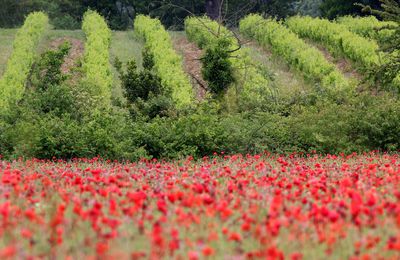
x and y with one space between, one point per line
389 73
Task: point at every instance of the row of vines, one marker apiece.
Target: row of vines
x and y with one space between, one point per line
98 78
167 62
303 57
338 39
253 87
12 83
368 27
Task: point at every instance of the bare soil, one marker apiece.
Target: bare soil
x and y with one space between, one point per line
342 64
74 55
192 64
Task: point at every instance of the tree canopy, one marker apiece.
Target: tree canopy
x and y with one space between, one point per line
67 14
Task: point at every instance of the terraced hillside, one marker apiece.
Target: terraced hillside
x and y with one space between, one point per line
283 70
6 39
285 78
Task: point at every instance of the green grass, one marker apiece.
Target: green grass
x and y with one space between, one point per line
177 34
126 46
6 40
55 34
287 81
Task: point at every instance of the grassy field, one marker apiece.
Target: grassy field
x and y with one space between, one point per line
126 46
53 35
286 80
6 39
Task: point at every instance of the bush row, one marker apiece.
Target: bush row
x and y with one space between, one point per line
368 26
338 39
12 84
253 86
168 64
98 78
367 123
396 81
303 57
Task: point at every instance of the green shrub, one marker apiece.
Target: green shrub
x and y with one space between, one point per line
167 63
143 90
303 57
217 68
12 83
251 88
338 39
98 78
368 26
375 122
47 71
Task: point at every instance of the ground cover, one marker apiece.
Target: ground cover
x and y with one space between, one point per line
6 39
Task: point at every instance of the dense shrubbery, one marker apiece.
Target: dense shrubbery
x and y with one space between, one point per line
368 26
252 86
145 95
389 72
96 66
51 120
335 8
366 123
167 63
305 58
217 68
338 39
12 83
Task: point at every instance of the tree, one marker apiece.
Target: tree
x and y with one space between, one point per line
334 8
213 8
308 7
389 73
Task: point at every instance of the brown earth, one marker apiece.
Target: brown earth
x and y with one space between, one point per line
74 55
343 65
192 64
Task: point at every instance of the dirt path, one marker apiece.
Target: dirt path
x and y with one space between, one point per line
74 55
192 65
342 64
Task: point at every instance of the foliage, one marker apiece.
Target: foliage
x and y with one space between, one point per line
98 78
335 8
143 90
47 71
366 123
12 83
308 7
167 63
338 39
389 72
67 14
296 52
369 27
217 68
51 121
47 91
205 131
105 133
251 85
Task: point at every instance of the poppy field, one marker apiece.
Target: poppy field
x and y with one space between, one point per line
225 207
